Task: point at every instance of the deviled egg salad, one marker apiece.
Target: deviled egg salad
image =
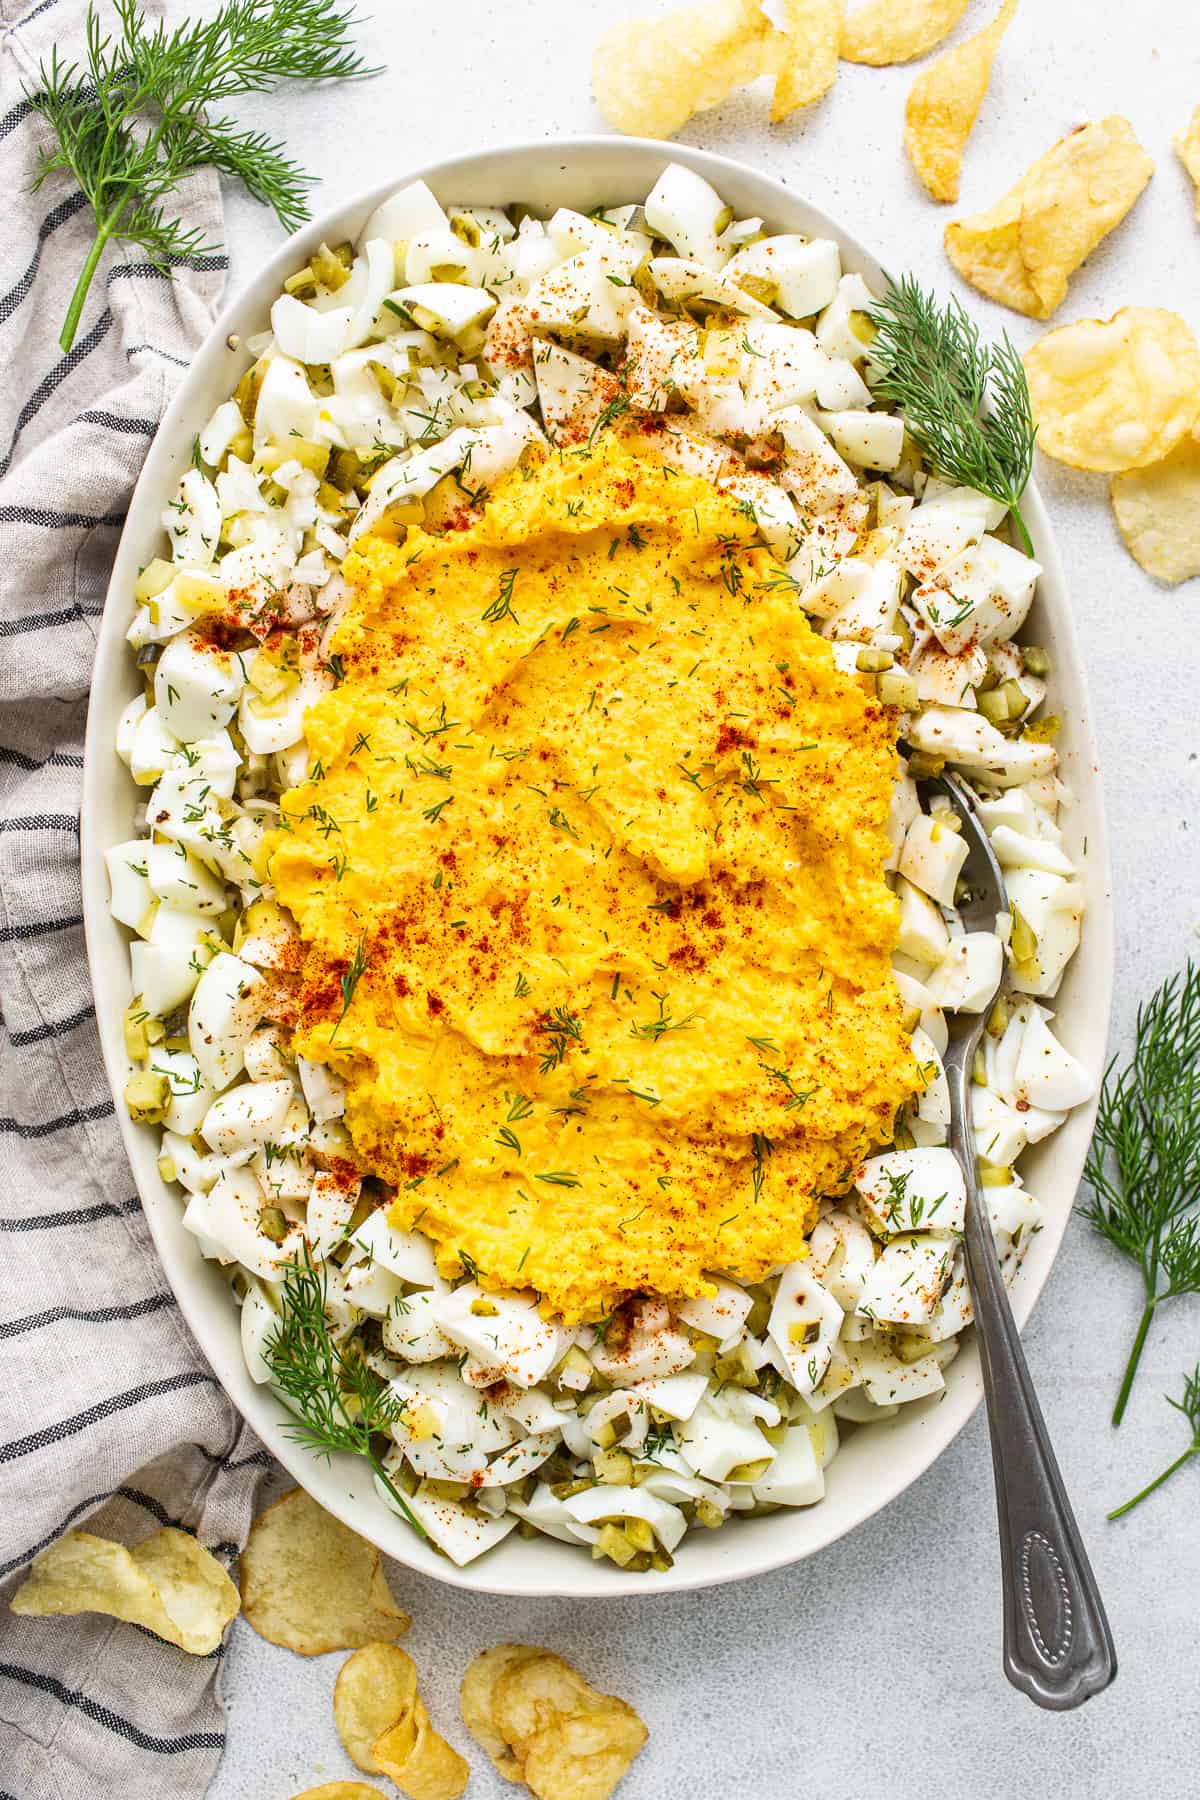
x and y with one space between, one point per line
402 377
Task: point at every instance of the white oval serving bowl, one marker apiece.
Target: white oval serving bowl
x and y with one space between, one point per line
875 1463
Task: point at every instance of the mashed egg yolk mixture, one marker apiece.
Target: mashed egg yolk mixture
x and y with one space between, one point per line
588 866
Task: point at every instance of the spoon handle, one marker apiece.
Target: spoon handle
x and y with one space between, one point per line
1058 1648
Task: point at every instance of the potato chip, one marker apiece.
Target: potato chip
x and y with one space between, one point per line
535 1694
1187 145
1117 393
169 1584
375 1690
807 61
422 1765
1022 250
650 75
475 1697
584 1758
311 1584
1158 512
541 1722
896 31
341 1790
944 104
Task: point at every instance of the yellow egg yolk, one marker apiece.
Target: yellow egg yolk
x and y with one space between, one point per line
589 870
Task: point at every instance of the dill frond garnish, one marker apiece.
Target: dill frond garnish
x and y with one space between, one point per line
350 979
653 1030
338 1402
1189 1406
563 1028
132 119
966 403
1144 1163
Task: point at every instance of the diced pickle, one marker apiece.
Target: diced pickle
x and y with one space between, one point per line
994 1175
750 1471
759 287
1037 662
142 1030
895 688
349 469
447 1490
302 285
1001 704
147 1095
153 579
871 661
273 1223
270 682
565 1490
1045 730
759 1314
613 1543
241 446
320 378
614 1468
643 281
466 229
639 1533
1023 941
247 390
709 1514
391 386
736 1369
575 1363
310 455
923 766
332 267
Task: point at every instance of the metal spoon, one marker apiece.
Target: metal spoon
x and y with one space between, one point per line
1057 1645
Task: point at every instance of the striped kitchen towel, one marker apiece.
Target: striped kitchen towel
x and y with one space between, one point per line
108 1414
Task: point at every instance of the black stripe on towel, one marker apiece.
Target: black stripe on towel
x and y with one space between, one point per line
104 1409
104 1715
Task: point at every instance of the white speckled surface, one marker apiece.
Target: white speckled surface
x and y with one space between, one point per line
875 1667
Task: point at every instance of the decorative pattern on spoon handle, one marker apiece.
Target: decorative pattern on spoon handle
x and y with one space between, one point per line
1058 1648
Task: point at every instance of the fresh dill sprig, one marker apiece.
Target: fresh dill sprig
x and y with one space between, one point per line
1144 1163
132 121
349 981
763 1148
339 1403
653 1030
563 1028
1189 1406
966 403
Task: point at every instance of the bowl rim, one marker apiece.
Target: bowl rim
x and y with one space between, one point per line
342 1484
